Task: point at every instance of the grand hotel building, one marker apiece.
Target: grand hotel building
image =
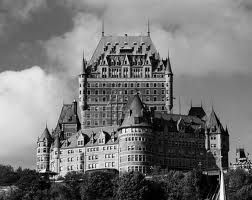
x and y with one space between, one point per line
126 117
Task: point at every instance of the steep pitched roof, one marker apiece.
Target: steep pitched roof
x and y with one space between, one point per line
93 133
168 66
124 42
135 114
197 112
213 121
45 135
68 114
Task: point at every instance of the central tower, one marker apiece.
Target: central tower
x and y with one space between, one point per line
120 67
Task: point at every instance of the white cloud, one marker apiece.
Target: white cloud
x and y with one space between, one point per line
203 36
28 99
65 52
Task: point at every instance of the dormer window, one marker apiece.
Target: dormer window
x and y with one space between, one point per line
80 142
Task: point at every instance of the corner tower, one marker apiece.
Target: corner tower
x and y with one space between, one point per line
136 139
168 86
83 93
218 142
43 151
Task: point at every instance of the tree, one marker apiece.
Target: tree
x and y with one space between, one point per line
133 186
72 180
98 185
60 191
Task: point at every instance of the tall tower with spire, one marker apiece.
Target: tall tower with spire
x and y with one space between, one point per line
168 86
83 92
43 150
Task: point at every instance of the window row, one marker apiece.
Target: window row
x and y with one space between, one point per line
110 155
128 84
43 150
121 92
92 166
129 139
104 122
125 98
44 158
103 115
142 169
139 148
109 164
137 158
136 130
70 168
93 157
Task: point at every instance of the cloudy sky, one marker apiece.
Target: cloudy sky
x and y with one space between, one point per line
41 43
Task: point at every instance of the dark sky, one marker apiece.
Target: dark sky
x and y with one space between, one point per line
41 44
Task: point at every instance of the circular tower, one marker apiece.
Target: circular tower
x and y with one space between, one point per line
135 139
83 93
43 151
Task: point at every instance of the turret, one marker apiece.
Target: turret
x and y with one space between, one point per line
55 164
219 141
169 86
136 138
83 92
43 150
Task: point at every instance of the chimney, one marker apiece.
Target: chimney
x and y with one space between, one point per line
75 107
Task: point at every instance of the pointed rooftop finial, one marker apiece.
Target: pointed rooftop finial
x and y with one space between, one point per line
212 105
148 27
46 124
191 103
201 104
168 64
102 27
83 63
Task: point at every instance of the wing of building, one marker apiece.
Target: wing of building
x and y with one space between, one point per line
126 117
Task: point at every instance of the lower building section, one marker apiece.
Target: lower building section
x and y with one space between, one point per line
144 140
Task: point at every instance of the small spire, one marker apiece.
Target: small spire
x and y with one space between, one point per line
148 27
83 63
212 106
168 64
46 124
191 103
102 27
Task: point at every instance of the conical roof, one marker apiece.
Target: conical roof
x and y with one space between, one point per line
135 114
168 66
57 142
45 135
213 121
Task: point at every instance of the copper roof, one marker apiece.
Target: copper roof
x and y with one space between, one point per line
213 121
136 114
45 135
197 112
123 42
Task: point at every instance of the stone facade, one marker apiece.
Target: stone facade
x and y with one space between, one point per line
125 102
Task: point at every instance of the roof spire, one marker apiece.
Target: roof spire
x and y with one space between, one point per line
148 27
83 63
191 103
102 27
168 64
